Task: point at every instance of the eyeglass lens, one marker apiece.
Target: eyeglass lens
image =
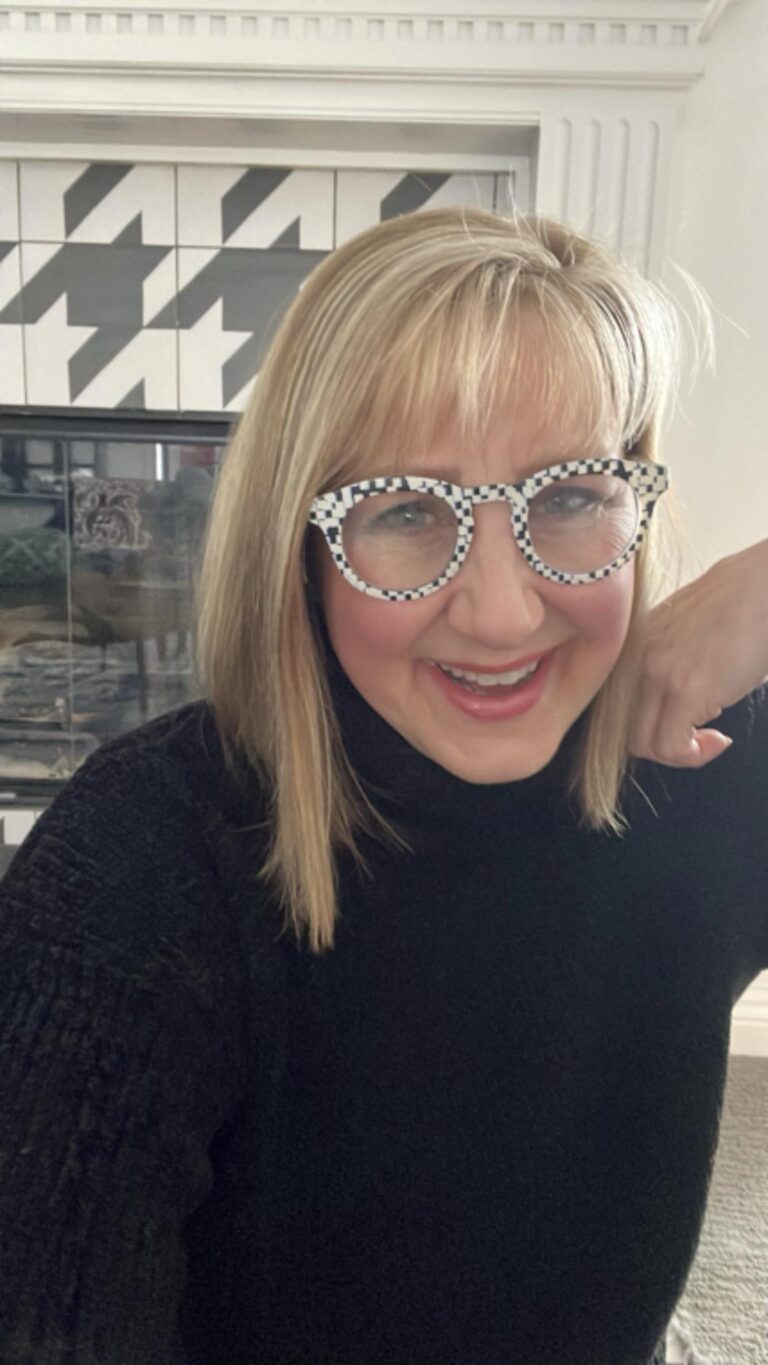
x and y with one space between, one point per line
405 540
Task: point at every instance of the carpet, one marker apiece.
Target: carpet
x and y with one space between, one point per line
722 1315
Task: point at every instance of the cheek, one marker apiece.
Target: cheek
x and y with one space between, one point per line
600 613
366 632
369 635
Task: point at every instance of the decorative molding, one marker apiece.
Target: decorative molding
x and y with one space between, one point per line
197 20
619 42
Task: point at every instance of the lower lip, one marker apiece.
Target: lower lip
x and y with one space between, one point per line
525 695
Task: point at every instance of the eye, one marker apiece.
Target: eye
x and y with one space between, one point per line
408 515
568 500
579 496
401 514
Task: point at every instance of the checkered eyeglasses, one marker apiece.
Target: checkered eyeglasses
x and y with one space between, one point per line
329 510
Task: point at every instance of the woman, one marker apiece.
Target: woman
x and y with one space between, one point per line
347 1017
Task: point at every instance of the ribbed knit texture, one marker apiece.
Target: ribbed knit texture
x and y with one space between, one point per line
478 1132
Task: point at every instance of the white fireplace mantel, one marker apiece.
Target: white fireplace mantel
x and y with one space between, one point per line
217 59
594 85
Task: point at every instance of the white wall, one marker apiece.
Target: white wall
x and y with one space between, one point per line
717 445
718 231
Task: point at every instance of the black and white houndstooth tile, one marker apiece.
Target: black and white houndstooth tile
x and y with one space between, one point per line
133 286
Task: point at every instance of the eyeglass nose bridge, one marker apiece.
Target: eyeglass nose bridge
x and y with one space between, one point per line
497 492
517 503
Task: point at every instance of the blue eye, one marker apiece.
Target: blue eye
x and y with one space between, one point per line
566 499
399 514
408 516
570 500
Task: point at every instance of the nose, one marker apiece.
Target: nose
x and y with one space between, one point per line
496 595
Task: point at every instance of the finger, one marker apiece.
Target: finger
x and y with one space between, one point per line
703 748
676 739
713 742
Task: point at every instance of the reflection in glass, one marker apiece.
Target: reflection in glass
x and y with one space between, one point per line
100 542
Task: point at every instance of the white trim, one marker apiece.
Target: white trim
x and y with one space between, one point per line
179 56
267 156
749 1030
716 11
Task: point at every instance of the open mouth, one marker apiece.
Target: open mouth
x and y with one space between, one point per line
504 685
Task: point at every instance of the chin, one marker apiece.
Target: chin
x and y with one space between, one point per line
521 761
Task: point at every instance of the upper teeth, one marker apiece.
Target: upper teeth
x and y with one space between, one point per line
492 679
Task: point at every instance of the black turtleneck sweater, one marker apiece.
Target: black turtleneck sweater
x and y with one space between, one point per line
477 1132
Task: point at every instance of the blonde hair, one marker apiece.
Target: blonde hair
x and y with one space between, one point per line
409 320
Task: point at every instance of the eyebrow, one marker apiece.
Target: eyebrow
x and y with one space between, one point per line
452 473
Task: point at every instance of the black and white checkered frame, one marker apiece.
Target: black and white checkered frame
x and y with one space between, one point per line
329 510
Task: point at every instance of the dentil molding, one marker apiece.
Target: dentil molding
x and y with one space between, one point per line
177 50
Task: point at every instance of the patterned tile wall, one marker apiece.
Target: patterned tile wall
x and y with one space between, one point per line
153 287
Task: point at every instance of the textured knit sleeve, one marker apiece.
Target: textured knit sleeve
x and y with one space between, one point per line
121 998
717 816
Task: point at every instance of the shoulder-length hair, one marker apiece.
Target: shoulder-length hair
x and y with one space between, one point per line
410 320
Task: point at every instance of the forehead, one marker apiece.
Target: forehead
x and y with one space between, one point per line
523 421
537 390
521 433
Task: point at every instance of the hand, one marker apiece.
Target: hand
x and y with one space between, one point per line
704 648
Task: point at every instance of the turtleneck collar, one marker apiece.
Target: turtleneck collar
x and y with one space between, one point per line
408 786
